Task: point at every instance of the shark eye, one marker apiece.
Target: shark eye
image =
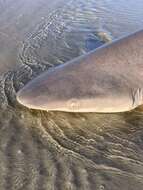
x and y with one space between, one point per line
73 105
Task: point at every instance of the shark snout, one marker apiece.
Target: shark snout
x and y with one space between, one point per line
23 97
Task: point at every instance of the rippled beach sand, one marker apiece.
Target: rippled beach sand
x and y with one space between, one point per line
56 150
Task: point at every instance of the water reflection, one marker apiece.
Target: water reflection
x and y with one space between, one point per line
79 26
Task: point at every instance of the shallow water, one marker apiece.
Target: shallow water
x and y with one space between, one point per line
68 151
77 27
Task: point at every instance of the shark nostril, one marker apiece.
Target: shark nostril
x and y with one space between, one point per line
73 105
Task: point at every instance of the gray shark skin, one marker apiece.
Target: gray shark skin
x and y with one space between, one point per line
108 79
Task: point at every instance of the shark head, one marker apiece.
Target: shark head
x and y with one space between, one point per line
103 80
